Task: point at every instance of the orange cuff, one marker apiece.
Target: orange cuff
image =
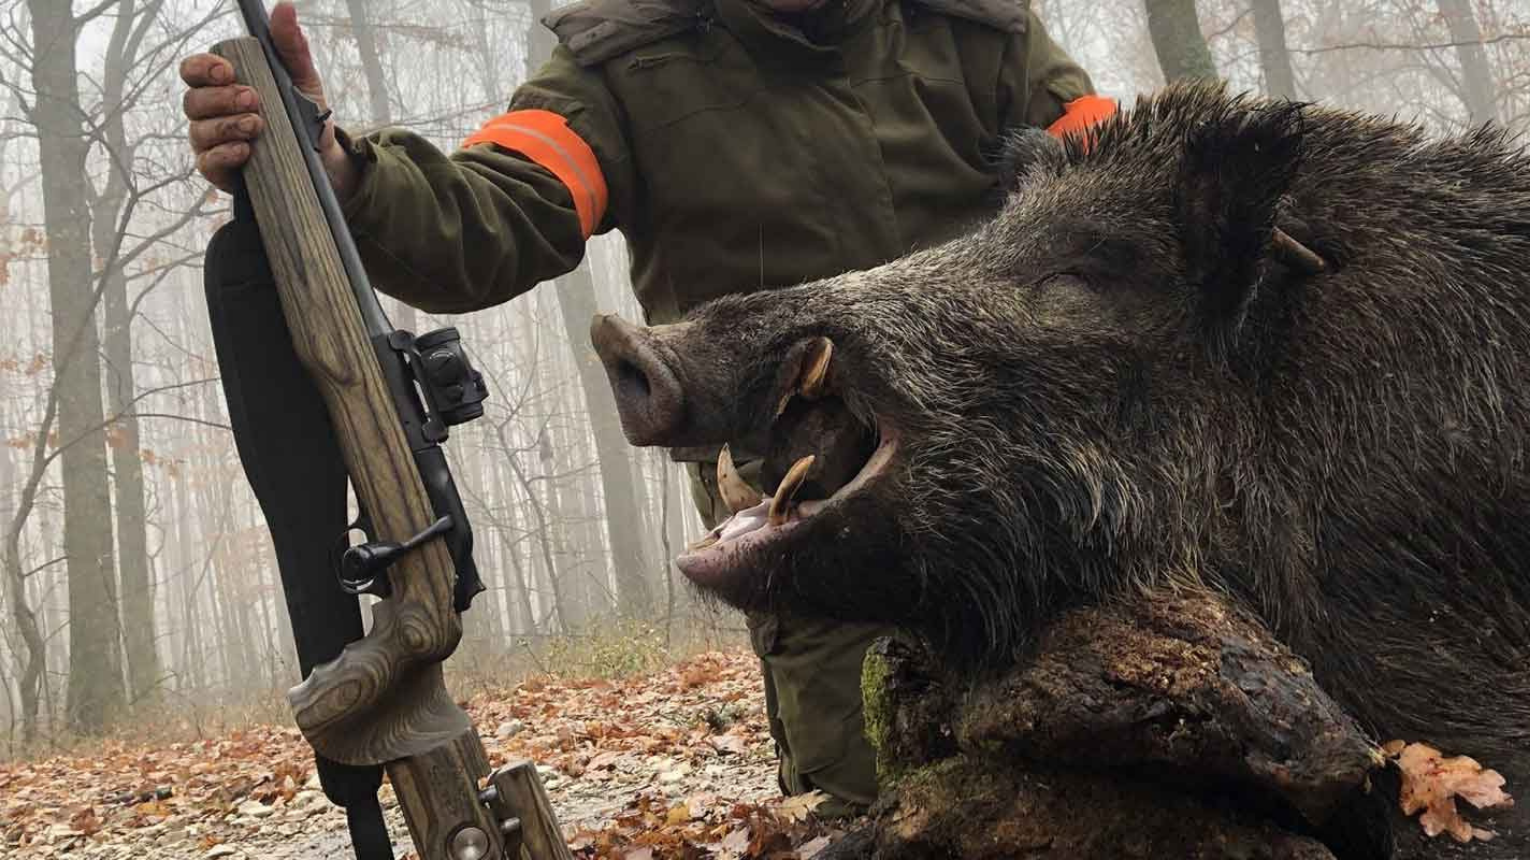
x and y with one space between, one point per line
545 138
1080 114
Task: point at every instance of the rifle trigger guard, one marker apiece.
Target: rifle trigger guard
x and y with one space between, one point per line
362 567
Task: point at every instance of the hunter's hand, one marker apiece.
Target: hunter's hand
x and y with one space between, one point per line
225 116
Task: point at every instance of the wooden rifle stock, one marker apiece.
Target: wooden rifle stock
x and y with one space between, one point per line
383 700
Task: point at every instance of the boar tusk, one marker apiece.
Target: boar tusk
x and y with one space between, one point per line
813 375
817 375
1295 254
736 492
795 476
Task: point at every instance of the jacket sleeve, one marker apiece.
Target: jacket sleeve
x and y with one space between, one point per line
1039 80
512 208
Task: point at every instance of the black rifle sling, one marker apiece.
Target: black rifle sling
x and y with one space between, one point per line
290 456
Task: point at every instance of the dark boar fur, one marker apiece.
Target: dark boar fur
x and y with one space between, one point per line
1117 383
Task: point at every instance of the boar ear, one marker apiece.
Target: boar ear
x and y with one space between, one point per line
1235 170
1029 150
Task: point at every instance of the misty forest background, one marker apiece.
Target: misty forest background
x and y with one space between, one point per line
136 574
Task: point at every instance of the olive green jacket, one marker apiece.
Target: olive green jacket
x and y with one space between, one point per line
738 153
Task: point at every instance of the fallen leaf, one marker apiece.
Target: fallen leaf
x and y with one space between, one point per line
85 821
678 814
800 807
731 744
1431 782
810 849
737 841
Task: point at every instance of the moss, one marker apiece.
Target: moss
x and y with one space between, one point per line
878 711
938 775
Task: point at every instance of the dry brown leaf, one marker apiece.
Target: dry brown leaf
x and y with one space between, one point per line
810 849
678 814
737 841
1431 782
801 806
731 744
85 821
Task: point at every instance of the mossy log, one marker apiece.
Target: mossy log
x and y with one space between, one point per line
1160 726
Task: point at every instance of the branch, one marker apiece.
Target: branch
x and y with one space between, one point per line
91 14
1423 46
44 566
118 416
189 420
1233 25
160 274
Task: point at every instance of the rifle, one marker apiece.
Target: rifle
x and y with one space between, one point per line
390 398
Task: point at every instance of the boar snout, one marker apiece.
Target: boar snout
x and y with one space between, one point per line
649 397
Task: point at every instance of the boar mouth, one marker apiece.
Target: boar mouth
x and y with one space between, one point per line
713 559
819 454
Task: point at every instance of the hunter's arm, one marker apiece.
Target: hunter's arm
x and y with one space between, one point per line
513 208
1039 80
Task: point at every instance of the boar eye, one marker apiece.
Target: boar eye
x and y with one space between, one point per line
1061 280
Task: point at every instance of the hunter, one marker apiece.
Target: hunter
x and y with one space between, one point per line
737 145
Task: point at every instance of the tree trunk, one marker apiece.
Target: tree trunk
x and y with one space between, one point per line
1477 88
1177 39
95 662
29 614
668 550
554 588
564 567
1270 29
132 536
229 568
381 106
525 618
576 299
482 627
371 64
29 660
192 659
540 41
271 580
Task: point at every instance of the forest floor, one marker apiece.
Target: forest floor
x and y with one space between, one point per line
677 763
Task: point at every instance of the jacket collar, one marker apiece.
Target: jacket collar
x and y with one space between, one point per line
770 36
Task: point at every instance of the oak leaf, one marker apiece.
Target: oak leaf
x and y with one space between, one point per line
1431 783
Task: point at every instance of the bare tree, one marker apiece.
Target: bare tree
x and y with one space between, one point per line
371 63
1270 30
95 664
381 106
1476 87
122 55
1178 41
576 301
